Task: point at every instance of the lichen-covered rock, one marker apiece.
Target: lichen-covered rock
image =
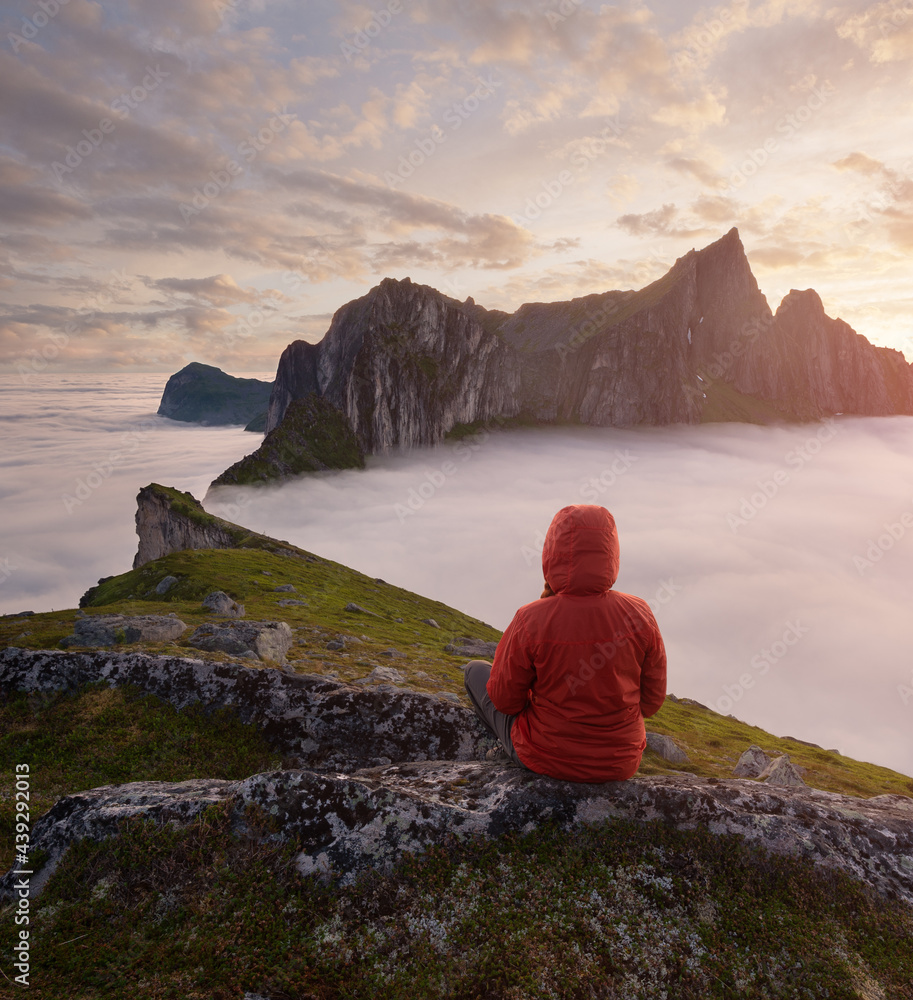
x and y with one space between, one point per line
752 763
324 724
219 603
269 640
113 630
346 823
781 771
382 675
666 748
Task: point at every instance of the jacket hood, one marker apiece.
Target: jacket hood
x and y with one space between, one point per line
580 554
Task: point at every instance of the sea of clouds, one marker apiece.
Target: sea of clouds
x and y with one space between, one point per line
777 559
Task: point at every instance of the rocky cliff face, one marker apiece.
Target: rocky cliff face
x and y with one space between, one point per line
405 363
168 520
206 395
313 436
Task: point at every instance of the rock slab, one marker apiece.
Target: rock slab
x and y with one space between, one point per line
346 823
113 630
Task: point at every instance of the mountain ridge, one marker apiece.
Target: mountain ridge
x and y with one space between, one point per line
405 363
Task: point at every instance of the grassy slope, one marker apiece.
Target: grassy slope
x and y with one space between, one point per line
147 902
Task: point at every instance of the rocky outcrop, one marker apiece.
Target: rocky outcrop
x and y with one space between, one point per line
752 763
346 823
203 394
168 520
384 771
219 603
313 437
268 641
318 721
113 630
405 364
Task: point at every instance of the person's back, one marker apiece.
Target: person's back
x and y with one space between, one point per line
576 673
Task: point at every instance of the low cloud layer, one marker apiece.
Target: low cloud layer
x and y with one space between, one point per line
777 559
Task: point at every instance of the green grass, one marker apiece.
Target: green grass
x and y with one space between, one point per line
103 736
724 403
622 909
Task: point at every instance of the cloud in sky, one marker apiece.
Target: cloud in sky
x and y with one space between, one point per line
317 148
791 540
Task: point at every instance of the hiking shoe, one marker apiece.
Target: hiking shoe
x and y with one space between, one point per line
497 753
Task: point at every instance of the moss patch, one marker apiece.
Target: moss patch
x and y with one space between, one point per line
313 436
620 909
102 736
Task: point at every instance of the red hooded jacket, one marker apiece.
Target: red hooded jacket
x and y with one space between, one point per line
580 670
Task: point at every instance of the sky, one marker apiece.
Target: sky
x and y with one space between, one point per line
776 559
208 180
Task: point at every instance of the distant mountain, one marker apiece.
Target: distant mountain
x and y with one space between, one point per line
203 394
406 364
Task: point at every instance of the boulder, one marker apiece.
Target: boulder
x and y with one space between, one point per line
781 771
219 603
113 630
348 823
164 585
752 763
474 649
285 588
431 622
268 640
666 748
382 675
358 609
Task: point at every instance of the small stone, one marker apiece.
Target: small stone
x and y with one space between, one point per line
449 696
666 748
336 644
219 603
285 588
431 622
390 652
781 771
385 675
289 602
358 609
398 620
475 649
266 572
751 763
164 585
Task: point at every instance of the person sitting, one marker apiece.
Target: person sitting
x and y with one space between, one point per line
578 670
